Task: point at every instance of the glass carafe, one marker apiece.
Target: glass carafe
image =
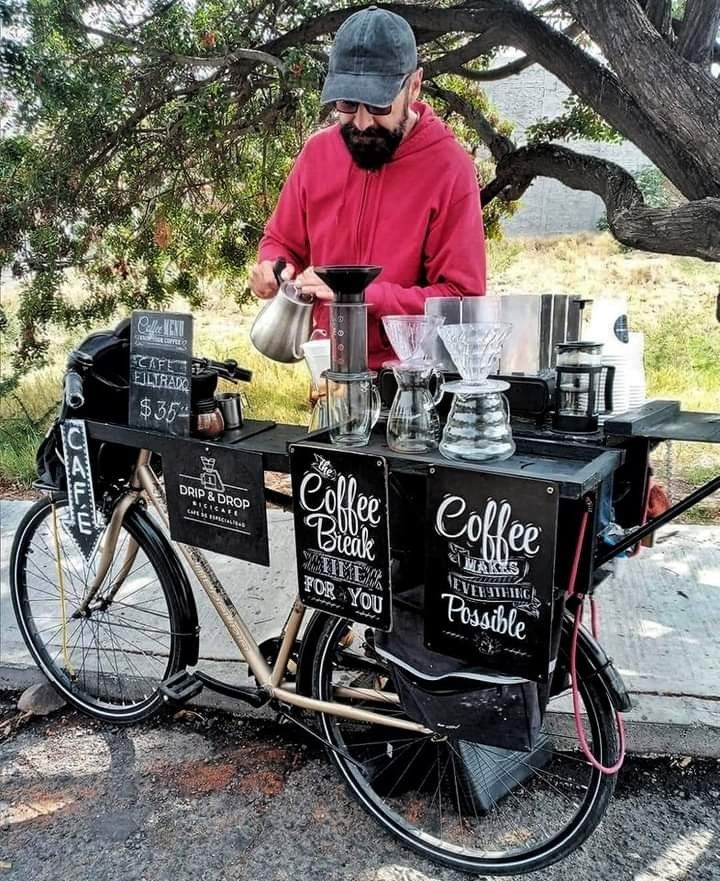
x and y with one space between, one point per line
353 407
478 425
413 424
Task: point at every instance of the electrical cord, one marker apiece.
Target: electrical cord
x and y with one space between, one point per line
582 740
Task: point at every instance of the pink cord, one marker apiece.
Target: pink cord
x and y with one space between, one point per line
576 709
582 740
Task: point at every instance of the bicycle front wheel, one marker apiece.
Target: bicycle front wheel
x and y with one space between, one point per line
478 809
109 662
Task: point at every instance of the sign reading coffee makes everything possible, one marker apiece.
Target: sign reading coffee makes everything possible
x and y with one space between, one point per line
85 523
160 371
341 533
490 570
216 499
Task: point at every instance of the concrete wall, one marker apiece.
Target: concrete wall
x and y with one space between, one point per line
548 207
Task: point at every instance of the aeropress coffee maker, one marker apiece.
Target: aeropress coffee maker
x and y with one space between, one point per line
353 401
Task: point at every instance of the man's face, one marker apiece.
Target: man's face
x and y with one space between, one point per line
373 140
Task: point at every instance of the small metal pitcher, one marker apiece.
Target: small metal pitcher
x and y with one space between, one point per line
284 323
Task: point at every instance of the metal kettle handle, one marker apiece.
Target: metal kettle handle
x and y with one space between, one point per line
278 267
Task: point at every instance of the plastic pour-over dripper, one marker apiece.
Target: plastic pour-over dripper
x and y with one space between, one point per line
411 335
348 316
348 283
475 348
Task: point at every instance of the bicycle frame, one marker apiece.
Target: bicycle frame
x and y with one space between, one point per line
145 483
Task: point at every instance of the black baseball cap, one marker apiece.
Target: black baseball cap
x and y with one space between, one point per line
373 52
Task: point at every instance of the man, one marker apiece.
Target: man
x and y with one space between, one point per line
388 184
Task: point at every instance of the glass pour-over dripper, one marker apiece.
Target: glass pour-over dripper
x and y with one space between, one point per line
478 426
413 424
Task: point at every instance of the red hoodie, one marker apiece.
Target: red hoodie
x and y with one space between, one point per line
418 216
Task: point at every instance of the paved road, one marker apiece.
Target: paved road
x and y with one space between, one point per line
208 797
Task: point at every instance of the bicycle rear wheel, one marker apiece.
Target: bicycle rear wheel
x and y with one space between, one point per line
109 664
477 809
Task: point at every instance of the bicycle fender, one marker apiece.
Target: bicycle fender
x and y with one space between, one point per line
597 663
190 635
303 678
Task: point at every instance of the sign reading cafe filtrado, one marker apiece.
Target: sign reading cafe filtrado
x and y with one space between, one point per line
490 570
341 533
160 372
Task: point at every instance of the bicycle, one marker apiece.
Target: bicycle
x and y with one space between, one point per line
117 635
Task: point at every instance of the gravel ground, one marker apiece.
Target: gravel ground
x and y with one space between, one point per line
212 797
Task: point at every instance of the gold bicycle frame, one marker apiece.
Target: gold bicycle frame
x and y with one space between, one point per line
146 483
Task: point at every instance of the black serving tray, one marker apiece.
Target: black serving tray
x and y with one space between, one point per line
575 468
664 420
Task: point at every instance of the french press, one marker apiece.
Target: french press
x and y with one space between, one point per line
577 388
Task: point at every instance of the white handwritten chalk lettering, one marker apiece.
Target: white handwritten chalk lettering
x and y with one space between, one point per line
159 365
319 587
514 593
340 515
344 570
491 528
154 379
367 602
498 621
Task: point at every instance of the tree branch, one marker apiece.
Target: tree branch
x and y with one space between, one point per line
253 55
498 144
493 74
692 229
699 29
660 14
453 61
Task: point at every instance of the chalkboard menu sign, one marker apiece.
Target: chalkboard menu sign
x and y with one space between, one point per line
85 524
160 372
341 533
216 499
489 570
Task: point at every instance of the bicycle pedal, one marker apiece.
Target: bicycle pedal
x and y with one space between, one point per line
181 687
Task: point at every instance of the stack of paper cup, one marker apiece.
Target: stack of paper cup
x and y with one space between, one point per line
638 388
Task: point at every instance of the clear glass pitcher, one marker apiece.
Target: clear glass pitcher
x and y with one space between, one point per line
413 424
478 425
353 407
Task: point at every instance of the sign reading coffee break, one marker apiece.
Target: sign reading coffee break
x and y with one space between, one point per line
490 570
216 499
85 523
341 533
160 372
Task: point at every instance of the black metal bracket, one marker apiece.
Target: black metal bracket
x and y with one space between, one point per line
672 512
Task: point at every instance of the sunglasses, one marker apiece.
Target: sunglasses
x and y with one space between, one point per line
343 106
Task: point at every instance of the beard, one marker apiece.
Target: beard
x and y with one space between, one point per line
374 146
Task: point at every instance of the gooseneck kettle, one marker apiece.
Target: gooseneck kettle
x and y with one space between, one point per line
284 324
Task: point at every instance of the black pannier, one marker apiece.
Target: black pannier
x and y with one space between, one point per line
106 387
466 703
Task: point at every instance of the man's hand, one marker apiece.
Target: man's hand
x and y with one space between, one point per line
262 279
310 283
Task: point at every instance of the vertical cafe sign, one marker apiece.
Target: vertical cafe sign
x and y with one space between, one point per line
490 570
85 523
160 372
341 533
